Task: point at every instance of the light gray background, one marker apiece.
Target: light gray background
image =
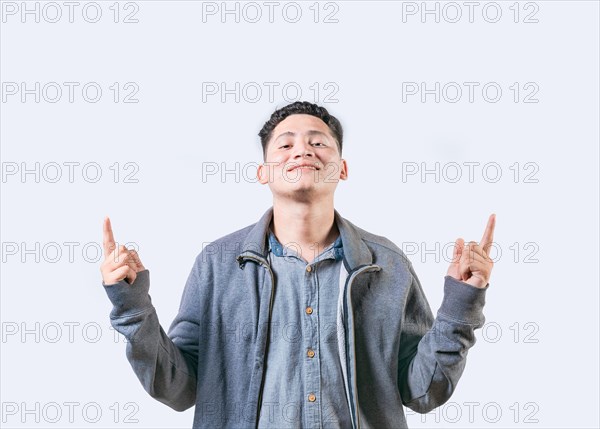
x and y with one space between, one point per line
170 212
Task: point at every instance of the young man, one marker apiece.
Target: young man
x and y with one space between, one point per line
301 319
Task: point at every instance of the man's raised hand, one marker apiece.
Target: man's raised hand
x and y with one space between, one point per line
119 263
471 263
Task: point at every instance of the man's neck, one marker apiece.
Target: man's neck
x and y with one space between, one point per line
310 226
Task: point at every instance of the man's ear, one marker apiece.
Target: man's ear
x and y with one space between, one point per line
261 174
344 170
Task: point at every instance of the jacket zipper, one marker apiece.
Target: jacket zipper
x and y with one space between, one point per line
350 280
262 381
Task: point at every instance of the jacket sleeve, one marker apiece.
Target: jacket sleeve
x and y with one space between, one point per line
166 365
433 353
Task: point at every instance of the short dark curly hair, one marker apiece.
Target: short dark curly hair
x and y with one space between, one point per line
301 107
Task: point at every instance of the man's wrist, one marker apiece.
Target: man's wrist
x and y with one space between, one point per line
127 298
463 301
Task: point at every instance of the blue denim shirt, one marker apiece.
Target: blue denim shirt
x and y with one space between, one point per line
304 385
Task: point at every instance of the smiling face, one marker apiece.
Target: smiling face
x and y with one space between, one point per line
302 160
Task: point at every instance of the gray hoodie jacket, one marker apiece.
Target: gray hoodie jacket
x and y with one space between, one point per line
396 353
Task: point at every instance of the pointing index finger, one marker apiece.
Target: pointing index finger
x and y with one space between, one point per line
109 239
488 235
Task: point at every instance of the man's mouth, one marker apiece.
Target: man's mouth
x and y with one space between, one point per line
304 166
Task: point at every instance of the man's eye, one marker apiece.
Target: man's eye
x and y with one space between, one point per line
286 145
319 143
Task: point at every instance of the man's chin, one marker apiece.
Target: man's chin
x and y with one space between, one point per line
301 192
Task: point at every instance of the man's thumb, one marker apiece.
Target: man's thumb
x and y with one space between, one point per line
131 276
459 245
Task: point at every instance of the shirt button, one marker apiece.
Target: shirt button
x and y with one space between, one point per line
308 268
312 398
310 353
309 310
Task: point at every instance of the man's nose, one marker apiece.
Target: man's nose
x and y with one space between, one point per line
302 150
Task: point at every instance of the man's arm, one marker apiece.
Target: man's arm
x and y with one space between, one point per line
165 364
433 353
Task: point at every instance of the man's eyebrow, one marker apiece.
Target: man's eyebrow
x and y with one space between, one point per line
309 132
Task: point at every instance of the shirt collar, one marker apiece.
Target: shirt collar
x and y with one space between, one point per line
335 250
255 242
